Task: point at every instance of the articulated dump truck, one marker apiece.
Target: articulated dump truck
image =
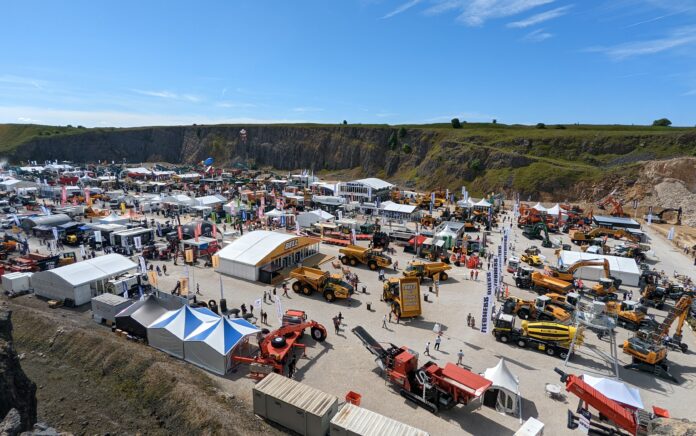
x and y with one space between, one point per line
354 254
310 280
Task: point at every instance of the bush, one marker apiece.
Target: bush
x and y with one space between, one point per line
495 121
559 126
345 122
402 132
475 164
406 148
541 126
392 141
662 122
456 124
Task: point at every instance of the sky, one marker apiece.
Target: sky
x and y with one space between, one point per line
134 63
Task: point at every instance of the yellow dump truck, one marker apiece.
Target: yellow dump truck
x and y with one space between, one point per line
404 296
310 280
354 254
526 278
431 270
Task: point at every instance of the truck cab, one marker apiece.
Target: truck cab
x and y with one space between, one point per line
513 264
523 277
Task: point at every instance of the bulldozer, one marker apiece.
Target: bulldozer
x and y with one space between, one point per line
531 256
541 309
404 296
428 221
648 348
310 280
431 270
354 254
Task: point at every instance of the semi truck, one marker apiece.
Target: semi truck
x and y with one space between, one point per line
403 294
552 338
310 280
354 254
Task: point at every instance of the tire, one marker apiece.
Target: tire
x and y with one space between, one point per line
443 276
563 354
329 296
504 339
306 290
296 286
372 265
522 343
344 260
523 314
352 261
551 351
278 342
318 334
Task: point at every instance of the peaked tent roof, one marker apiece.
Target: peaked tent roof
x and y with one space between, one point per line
539 207
322 214
275 213
483 203
554 210
502 377
615 390
224 334
182 322
144 311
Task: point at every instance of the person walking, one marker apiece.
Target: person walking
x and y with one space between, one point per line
476 275
164 269
337 325
384 322
438 340
460 358
468 320
340 317
198 289
285 290
473 322
396 265
427 349
159 271
251 309
390 316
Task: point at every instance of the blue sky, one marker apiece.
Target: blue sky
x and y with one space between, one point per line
132 63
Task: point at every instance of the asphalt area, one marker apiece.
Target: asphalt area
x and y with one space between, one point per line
341 364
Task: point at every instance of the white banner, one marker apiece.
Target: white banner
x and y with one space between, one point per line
55 233
279 309
143 266
83 253
138 242
670 234
97 236
496 275
487 302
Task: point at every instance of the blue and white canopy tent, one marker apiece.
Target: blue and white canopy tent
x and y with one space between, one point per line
211 345
169 331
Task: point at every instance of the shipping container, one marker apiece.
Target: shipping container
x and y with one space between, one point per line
105 307
293 405
352 420
16 282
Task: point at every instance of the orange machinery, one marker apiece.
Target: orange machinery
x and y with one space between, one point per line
430 386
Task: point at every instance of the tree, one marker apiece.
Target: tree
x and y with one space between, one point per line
402 132
475 164
541 126
495 121
662 122
392 141
406 149
345 122
456 124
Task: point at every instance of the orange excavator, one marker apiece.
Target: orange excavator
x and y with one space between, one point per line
633 421
616 207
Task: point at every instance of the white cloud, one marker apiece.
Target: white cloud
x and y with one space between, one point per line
25 81
27 120
540 18
307 109
679 38
11 114
169 95
403 8
477 12
386 115
538 35
235 105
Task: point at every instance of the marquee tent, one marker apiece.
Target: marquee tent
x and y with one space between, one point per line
169 331
210 346
139 316
114 219
482 203
615 390
554 211
505 388
539 207
623 268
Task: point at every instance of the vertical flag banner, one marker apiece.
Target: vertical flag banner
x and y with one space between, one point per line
63 195
55 233
97 236
83 253
88 197
496 275
487 301
143 267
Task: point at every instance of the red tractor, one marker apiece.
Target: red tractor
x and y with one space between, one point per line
277 348
429 386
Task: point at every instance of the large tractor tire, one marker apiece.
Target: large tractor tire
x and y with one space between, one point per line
307 290
443 276
353 261
296 286
318 334
372 265
329 296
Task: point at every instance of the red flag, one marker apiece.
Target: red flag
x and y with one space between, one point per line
180 232
63 195
197 231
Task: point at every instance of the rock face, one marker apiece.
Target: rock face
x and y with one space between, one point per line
16 390
670 427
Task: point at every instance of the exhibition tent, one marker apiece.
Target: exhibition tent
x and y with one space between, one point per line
169 331
210 346
505 387
624 268
615 390
139 316
539 207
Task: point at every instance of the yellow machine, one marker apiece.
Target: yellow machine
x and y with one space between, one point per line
568 274
428 221
331 286
531 256
578 236
605 288
431 270
542 309
552 338
630 314
649 348
354 254
404 295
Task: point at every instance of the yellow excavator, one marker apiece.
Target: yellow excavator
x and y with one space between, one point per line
568 274
648 348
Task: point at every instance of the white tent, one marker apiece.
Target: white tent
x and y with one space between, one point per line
554 211
539 207
468 203
482 203
507 386
623 268
114 219
169 331
275 213
322 214
210 346
615 390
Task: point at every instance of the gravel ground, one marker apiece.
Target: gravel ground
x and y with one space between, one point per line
342 364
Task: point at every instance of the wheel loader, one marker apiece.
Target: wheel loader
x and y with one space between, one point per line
531 256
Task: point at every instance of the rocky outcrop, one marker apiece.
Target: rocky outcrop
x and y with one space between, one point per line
16 390
670 427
